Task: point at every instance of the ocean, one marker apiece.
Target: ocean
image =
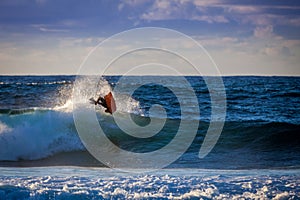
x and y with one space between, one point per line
46 151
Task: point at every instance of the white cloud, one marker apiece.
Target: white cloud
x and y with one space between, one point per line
131 3
48 28
275 51
121 6
162 10
134 2
241 9
163 4
211 19
290 21
180 9
223 44
205 3
233 55
263 31
45 55
272 55
225 11
270 19
52 30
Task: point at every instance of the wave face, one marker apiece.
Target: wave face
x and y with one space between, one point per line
261 130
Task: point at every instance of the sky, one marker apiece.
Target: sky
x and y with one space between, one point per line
244 37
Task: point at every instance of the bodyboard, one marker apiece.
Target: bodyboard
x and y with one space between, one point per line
110 102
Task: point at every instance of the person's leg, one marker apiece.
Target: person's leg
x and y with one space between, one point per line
101 101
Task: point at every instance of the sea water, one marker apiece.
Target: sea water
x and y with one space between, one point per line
256 156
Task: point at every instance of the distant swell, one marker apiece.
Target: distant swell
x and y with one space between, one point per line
261 135
254 144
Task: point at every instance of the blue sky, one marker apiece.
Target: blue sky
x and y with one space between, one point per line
243 36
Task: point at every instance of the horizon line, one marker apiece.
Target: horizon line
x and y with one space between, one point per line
225 75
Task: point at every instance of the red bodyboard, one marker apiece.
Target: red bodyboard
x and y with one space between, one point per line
110 102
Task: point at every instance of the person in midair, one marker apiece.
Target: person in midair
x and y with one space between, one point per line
107 102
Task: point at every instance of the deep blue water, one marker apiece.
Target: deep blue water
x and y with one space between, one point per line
261 128
261 132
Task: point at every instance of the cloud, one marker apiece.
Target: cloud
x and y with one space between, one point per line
242 9
134 2
263 31
271 19
181 9
131 3
217 11
294 21
163 10
256 32
211 19
45 55
210 41
48 28
204 3
233 55
52 30
277 51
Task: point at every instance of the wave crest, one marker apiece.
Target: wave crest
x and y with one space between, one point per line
37 135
